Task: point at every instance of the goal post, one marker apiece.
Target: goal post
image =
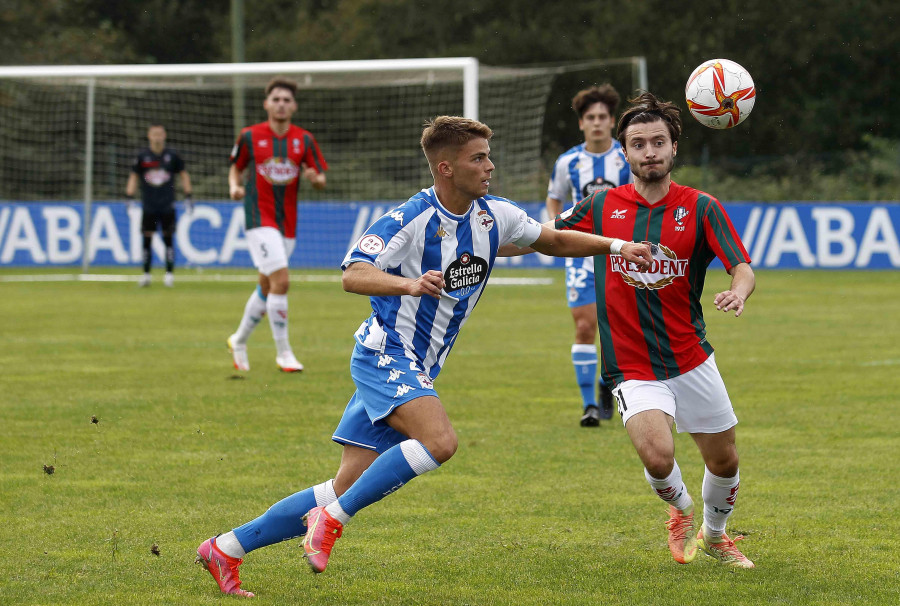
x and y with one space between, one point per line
69 134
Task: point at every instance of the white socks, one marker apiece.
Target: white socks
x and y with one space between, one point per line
254 310
671 489
230 546
277 308
719 495
337 512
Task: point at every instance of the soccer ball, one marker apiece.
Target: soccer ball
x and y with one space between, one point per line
720 93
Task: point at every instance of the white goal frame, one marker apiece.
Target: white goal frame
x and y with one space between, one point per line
468 66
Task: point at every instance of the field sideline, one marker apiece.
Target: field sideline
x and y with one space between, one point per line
532 509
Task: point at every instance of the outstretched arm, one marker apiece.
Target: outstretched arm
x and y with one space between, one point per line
568 243
366 279
743 282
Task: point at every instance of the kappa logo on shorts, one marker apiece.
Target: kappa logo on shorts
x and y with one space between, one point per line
384 361
425 381
395 374
402 390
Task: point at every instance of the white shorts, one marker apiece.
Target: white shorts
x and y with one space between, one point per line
697 400
269 250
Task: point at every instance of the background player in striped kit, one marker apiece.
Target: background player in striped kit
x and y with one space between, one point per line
424 266
155 168
595 165
652 333
273 154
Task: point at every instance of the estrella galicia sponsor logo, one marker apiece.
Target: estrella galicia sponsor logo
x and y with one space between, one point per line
464 275
597 185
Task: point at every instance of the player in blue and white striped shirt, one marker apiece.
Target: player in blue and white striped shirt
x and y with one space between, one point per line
596 165
424 265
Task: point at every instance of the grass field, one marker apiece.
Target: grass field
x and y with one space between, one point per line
532 510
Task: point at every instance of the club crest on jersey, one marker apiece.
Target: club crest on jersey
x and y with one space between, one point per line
278 171
664 269
464 275
485 220
597 185
425 381
680 213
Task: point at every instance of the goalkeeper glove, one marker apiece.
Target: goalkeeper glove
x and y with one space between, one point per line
189 203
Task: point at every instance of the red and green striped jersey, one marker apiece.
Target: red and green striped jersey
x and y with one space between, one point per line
274 165
651 321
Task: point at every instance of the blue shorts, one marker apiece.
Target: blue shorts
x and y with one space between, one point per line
383 382
579 285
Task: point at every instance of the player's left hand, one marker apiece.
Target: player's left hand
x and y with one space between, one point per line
728 300
637 253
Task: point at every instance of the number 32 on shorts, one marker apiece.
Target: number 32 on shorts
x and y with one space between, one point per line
576 277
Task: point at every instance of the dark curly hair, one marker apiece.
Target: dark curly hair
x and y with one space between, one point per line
647 108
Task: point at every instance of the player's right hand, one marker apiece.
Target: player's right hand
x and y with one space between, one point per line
637 253
431 284
237 192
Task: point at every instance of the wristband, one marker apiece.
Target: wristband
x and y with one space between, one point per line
615 246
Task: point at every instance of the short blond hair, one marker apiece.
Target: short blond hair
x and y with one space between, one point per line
445 132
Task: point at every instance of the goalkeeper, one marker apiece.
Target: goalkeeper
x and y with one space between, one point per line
155 167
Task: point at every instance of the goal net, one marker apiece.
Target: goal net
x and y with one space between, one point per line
69 136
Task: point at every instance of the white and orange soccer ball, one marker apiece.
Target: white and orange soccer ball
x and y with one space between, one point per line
720 93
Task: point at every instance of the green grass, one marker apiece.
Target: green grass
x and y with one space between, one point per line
532 509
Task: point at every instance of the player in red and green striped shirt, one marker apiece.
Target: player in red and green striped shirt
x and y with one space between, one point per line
267 162
652 333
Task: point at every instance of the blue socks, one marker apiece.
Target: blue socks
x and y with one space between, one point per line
584 359
394 468
284 519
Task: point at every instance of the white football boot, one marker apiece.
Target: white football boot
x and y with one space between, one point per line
288 363
238 354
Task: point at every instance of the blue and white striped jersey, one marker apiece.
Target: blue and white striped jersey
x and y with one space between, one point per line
421 235
578 173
